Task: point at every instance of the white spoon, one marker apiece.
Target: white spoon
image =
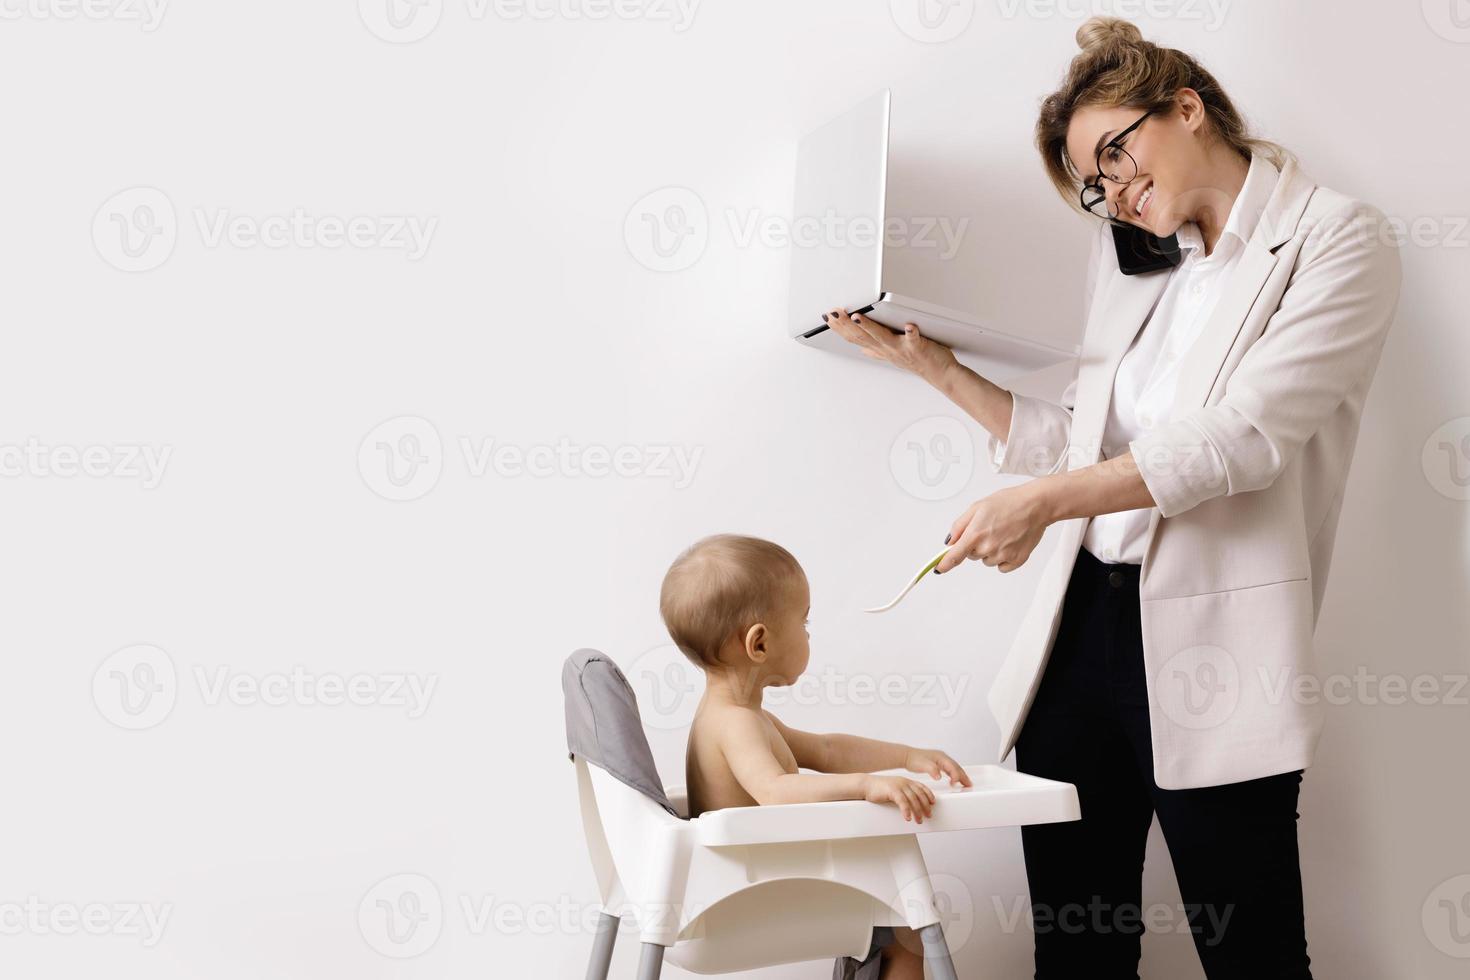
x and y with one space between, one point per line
929 567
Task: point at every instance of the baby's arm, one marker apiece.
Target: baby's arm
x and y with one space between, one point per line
853 753
747 752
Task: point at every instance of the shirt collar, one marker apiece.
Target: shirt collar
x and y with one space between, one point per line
1245 214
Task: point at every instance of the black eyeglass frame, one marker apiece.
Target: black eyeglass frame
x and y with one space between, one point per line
1096 185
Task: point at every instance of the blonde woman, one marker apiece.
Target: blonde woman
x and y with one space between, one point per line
1195 469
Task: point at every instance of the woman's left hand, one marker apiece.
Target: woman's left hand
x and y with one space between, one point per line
1002 530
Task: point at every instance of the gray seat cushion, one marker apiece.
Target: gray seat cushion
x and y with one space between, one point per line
603 725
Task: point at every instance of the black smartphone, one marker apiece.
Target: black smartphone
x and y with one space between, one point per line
1140 251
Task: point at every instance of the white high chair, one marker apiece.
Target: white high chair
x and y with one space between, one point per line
748 887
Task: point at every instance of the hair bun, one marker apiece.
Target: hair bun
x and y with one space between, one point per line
1108 32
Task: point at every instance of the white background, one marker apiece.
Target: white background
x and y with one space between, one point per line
266 829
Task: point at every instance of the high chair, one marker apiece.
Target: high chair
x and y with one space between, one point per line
749 887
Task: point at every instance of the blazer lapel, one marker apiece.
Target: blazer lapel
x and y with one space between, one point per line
1201 363
1129 301
1119 315
1200 367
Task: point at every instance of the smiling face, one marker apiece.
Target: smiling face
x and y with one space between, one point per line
1168 150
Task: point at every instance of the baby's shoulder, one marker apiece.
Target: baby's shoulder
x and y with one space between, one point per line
725 723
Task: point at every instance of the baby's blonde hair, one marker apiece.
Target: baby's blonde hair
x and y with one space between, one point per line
719 587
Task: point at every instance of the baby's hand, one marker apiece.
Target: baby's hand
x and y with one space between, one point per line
915 800
934 763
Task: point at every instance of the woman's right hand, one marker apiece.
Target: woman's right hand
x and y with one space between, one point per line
908 349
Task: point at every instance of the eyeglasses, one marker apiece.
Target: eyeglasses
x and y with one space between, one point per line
1122 169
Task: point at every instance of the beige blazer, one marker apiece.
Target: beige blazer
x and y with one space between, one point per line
1248 478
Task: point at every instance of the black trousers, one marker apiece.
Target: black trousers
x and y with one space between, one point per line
1234 847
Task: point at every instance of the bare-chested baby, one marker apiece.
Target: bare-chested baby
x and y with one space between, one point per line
737 607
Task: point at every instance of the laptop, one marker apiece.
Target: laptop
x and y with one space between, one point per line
837 255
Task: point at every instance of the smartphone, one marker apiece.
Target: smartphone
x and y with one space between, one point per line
1140 251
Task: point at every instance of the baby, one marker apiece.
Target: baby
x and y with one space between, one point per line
737 607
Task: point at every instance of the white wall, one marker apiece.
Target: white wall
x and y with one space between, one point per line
262 830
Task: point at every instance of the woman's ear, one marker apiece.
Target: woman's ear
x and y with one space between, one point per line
756 639
1191 108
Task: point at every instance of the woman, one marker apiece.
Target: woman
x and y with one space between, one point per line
1195 466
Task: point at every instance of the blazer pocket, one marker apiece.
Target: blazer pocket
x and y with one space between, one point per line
1237 588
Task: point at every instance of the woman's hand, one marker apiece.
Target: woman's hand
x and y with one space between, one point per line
1002 530
938 765
909 349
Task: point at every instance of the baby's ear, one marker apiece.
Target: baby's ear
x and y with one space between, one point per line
756 639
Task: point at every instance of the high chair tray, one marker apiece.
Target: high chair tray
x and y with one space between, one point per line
999 798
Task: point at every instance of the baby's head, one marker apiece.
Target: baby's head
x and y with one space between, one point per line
736 602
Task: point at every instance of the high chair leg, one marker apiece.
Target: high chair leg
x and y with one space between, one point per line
651 963
936 953
602 946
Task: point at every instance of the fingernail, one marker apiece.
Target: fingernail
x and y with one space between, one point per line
937 569
947 537
824 316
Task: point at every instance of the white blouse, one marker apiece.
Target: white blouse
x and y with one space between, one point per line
1143 389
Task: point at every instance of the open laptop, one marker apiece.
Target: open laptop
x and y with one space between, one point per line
841 192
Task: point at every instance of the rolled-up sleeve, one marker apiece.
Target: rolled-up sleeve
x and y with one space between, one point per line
1323 341
1040 432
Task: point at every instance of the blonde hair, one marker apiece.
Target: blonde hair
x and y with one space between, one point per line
1117 67
719 587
